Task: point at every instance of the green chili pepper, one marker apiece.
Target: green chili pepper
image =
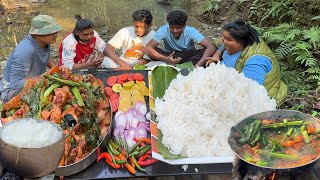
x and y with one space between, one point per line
113 151
77 95
306 136
302 128
112 157
121 161
142 152
137 165
289 132
135 153
262 163
114 145
247 157
50 89
120 140
134 147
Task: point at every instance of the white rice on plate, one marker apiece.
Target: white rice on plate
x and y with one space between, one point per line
197 111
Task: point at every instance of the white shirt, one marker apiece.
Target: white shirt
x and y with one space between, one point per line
125 37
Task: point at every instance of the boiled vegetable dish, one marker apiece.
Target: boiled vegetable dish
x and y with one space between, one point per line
282 143
59 92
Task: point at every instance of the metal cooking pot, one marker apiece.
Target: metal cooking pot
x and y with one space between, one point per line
276 114
31 162
88 160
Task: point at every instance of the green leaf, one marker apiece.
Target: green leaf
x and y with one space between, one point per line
313 35
139 67
163 150
315 18
161 79
186 65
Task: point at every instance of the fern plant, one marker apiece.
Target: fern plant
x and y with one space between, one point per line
209 6
296 46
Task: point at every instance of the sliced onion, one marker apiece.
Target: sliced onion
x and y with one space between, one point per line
129 114
145 125
141 107
140 132
118 113
134 122
121 120
140 117
117 130
130 141
148 116
129 132
142 124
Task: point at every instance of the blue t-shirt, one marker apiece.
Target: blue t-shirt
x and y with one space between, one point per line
27 60
255 68
186 41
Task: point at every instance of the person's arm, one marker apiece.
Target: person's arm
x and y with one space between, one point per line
51 63
20 67
143 61
109 51
215 58
257 67
153 53
209 50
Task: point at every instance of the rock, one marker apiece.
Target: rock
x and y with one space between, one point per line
103 31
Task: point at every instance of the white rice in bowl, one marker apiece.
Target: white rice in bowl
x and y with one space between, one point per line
197 111
30 133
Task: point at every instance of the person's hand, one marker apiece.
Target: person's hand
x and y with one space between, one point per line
96 62
210 60
172 60
125 66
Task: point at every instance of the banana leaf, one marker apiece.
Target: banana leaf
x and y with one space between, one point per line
161 79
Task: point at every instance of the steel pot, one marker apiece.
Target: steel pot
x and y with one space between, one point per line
31 162
276 114
88 160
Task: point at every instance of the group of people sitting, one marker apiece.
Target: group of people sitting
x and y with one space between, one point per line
241 48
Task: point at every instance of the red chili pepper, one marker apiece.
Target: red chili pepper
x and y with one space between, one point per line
147 162
145 140
115 166
136 140
148 152
144 157
104 155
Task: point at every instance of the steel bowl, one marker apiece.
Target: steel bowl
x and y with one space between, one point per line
31 162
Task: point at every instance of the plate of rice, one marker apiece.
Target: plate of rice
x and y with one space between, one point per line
192 117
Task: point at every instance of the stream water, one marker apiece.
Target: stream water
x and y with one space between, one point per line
108 16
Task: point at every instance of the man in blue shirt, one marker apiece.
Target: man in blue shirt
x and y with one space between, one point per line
31 57
179 42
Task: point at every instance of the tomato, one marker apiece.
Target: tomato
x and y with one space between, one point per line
108 90
114 96
138 77
122 78
130 77
111 80
114 105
